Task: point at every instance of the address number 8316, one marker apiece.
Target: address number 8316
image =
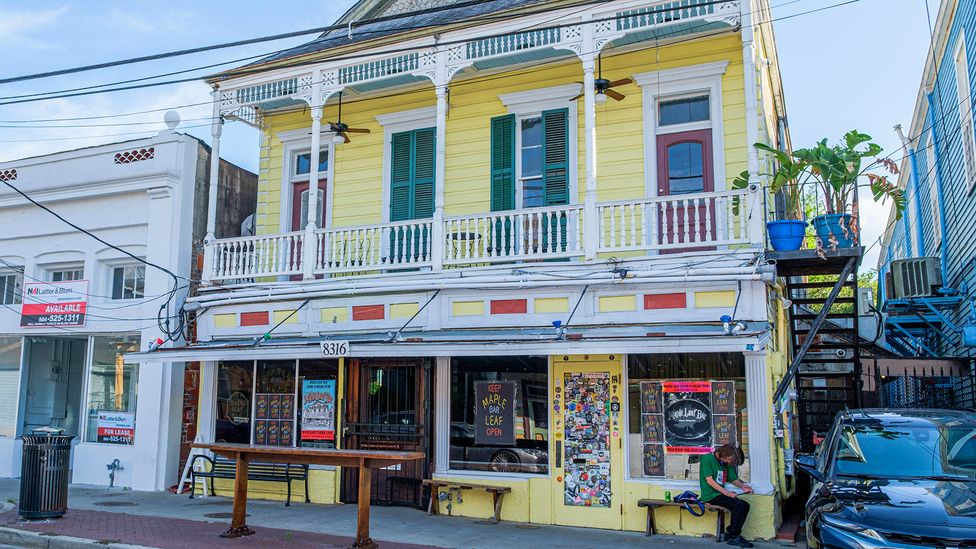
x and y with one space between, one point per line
334 349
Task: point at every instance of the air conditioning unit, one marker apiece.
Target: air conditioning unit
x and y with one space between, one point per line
917 277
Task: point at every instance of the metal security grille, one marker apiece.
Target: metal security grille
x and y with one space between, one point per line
388 410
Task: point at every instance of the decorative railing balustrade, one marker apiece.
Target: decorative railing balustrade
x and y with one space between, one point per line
666 224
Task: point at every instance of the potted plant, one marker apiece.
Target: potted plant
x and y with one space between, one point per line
837 170
784 234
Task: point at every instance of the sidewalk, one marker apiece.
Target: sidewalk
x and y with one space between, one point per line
165 520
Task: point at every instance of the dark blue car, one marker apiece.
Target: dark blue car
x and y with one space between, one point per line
894 478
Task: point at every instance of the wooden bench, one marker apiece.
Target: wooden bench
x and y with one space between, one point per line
653 504
497 492
270 472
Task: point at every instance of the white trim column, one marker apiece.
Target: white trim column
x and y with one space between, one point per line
591 224
216 129
750 85
437 236
309 247
442 415
758 408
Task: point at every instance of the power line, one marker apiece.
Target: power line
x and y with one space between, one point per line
257 70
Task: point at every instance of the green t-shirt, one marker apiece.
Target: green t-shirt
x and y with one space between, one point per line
710 467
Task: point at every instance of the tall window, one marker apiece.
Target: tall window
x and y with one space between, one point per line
234 397
66 275
963 94
531 188
524 448
682 406
11 291
932 167
128 282
530 160
112 390
10 348
300 172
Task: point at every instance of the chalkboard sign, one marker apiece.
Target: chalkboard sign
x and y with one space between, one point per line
494 413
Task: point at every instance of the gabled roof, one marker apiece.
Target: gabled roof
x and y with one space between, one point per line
397 16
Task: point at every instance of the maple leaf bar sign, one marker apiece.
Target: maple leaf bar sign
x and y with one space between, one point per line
494 413
687 416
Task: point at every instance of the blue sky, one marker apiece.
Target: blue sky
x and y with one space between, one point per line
853 66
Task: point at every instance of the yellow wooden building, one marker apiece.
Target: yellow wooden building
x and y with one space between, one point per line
531 196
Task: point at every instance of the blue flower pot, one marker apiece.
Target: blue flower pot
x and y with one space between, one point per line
837 225
786 235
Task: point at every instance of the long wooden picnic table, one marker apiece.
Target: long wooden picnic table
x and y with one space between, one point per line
365 460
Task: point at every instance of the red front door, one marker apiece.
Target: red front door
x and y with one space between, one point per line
684 167
299 205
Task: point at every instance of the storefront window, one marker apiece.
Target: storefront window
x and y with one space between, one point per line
682 406
317 391
499 414
112 389
274 403
234 386
9 384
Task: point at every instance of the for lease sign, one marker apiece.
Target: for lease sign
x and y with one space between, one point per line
54 303
116 427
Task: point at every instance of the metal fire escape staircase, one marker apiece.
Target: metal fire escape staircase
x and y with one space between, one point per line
825 368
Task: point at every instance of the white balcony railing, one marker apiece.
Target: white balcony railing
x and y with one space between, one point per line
683 222
535 233
402 244
667 224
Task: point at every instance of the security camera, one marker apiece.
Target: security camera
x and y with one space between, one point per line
753 187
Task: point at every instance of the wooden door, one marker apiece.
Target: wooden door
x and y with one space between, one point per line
684 167
387 408
299 205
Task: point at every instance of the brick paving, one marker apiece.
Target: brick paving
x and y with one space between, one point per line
172 533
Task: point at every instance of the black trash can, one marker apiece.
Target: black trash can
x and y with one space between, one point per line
44 475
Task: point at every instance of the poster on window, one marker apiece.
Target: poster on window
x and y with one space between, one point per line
650 397
54 303
654 460
116 427
318 409
723 398
687 416
494 413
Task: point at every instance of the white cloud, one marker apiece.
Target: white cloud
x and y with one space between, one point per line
20 27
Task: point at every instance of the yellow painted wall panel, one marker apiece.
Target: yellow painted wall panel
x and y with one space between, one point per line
467 308
225 320
707 300
403 310
617 303
335 314
280 316
546 305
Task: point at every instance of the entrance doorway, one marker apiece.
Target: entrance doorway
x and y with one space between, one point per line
589 427
684 167
54 375
387 408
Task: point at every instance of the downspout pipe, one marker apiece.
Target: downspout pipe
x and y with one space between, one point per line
916 185
933 137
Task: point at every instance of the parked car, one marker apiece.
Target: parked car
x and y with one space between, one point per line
529 456
893 478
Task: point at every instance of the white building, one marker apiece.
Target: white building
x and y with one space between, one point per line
148 198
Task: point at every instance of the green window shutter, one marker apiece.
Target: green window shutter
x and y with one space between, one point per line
503 163
401 176
423 182
555 128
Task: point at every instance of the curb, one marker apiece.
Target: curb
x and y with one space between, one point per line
25 538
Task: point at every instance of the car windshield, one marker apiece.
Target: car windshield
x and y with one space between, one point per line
915 451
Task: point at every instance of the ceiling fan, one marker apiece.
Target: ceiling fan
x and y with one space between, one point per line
341 129
604 87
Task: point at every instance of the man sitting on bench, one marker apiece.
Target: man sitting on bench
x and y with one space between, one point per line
715 470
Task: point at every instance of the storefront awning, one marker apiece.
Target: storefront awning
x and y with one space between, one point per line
680 338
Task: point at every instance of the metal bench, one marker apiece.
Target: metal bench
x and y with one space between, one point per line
652 504
497 492
269 472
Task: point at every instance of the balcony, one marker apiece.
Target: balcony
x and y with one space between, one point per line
637 227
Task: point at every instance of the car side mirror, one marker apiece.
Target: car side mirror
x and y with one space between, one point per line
808 464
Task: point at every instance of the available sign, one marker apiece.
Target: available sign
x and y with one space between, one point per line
54 303
116 427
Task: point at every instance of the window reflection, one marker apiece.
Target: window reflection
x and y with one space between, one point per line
686 172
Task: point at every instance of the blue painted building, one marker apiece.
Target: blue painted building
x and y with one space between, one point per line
938 174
